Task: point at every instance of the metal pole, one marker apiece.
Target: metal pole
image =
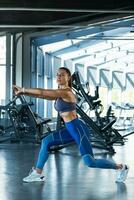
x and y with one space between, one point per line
66 10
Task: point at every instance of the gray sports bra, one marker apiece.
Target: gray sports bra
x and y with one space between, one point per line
64 106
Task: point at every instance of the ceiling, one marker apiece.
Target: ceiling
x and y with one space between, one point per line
32 15
107 44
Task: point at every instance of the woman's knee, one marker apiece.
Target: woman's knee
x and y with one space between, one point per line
45 144
89 160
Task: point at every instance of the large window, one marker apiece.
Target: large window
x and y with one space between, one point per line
128 100
103 96
2 69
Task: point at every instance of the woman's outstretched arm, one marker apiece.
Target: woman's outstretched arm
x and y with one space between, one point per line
50 94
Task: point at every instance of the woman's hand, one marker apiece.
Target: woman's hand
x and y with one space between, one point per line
17 90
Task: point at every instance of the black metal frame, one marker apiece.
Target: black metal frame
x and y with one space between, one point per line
26 126
104 135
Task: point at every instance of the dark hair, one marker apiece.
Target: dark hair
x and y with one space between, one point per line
69 74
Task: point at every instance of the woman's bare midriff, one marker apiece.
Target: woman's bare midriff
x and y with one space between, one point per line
68 116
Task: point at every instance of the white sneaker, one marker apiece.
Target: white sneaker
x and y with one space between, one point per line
122 174
34 177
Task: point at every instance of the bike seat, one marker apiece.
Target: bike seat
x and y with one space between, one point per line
96 103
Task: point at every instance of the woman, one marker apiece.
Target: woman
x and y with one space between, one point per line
65 104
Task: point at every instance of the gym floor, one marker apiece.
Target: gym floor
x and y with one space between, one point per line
67 178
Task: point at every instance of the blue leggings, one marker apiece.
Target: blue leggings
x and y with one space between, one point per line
75 130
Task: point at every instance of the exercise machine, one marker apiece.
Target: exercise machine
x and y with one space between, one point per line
104 135
23 123
123 122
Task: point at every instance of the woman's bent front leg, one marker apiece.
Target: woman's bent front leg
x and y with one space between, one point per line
55 138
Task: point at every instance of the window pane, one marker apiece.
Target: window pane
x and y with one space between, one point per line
103 96
2 69
2 50
3 85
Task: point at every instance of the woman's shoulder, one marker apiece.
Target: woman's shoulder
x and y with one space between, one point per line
67 94
66 90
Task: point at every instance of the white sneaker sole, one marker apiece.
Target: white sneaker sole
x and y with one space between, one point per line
36 180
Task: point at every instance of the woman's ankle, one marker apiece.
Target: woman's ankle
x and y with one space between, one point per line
119 166
39 171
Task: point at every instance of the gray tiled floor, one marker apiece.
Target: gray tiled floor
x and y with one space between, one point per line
66 176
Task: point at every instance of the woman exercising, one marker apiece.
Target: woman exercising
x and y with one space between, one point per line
75 129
